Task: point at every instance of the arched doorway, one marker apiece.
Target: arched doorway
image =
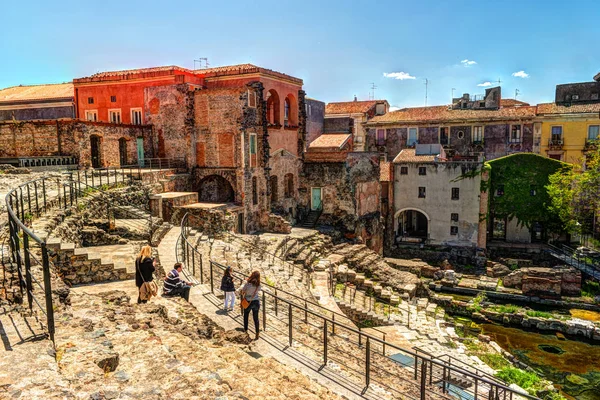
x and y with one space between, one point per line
123 151
215 189
273 113
274 189
95 143
411 225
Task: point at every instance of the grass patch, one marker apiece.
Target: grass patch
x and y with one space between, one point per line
529 381
590 289
506 308
495 361
367 323
476 306
539 314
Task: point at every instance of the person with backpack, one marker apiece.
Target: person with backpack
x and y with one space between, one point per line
228 287
251 300
144 268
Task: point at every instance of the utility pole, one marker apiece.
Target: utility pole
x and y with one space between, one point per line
499 81
516 93
426 88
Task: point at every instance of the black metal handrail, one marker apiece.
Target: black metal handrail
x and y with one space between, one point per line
427 363
571 257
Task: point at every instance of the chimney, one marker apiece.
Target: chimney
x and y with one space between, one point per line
355 99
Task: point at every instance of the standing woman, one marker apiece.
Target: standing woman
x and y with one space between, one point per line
250 293
229 288
144 268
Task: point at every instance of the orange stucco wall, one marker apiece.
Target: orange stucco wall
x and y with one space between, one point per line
129 94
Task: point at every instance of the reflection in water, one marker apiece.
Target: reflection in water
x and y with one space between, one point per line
574 366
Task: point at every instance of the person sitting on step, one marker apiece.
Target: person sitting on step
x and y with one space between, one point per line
174 285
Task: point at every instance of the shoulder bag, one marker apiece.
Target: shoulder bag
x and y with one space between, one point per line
148 289
245 303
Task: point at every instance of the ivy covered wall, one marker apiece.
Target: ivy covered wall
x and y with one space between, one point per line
517 188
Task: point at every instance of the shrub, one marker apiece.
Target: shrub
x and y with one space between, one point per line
539 314
590 289
495 361
529 381
506 308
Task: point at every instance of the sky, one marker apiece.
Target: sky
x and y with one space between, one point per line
338 48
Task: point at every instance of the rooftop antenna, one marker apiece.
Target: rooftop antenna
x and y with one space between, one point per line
499 81
199 61
372 92
517 92
452 96
426 87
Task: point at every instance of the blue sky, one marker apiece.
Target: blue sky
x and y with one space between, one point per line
337 47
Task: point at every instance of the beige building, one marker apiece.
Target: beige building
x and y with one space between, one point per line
436 200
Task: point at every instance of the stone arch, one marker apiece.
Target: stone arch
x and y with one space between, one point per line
215 189
290 114
412 222
273 111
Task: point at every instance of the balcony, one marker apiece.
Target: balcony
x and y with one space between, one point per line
555 144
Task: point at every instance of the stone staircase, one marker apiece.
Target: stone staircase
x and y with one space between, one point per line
311 220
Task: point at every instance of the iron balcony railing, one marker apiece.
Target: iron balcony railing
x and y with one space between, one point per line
363 357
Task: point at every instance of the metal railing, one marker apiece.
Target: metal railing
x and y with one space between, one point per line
574 259
360 357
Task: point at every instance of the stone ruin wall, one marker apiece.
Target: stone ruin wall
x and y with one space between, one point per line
72 138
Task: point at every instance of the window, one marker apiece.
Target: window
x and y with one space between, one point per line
500 190
380 109
515 134
254 191
556 134
380 137
251 99
594 96
460 134
91 115
412 136
358 139
455 193
114 116
454 230
575 97
90 100
136 116
421 192
464 105
454 217
477 134
444 136
482 104
252 143
289 185
113 99
286 111
593 131
274 189
532 190
403 170
422 170
382 158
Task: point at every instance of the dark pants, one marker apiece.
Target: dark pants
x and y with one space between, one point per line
254 307
183 291
139 300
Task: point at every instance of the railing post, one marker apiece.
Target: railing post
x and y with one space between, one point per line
475 389
193 262
423 378
290 324
384 344
324 342
48 291
201 271
416 366
16 250
444 386
359 337
28 283
100 178
333 323
275 302
264 308
305 312
44 193
29 199
368 364
212 289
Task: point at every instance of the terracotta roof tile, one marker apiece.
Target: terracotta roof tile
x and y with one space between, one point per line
350 107
409 156
385 171
512 103
37 92
125 72
328 141
243 69
553 108
444 114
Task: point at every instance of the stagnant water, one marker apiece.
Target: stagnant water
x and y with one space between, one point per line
572 365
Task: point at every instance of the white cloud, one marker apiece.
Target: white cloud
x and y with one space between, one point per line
485 84
398 75
394 108
520 74
467 63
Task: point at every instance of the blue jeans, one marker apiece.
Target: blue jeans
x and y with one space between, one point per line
254 307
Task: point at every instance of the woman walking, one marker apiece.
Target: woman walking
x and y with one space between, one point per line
228 287
250 300
144 268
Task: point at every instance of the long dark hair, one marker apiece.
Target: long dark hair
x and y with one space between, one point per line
254 278
228 272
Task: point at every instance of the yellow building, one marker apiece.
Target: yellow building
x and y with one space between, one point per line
567 131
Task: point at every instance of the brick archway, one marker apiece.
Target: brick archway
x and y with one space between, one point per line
215 189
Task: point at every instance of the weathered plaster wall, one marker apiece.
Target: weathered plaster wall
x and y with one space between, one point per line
314 119
26 114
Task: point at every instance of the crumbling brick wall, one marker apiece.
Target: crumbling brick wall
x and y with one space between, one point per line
72 138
